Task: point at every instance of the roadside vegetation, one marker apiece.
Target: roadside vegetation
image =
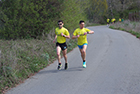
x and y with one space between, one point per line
128 26
20 59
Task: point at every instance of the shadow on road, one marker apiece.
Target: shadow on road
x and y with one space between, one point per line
62 70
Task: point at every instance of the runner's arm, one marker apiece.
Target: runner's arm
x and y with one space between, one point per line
66 36
54 38
74 37
90 32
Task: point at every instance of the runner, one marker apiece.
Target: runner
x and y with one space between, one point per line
120 20
112 21
108 21
81 34
61 35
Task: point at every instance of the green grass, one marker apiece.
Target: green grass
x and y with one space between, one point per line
22 58
112 27
131 27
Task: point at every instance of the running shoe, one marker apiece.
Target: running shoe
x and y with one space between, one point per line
59 66
84 64
66 66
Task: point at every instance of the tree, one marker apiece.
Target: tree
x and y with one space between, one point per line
97 10
27 18
121 8
32 18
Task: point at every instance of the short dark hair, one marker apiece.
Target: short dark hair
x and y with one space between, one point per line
81 21
60 21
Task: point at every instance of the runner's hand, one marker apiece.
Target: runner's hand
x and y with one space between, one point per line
78 36
85 33
62 34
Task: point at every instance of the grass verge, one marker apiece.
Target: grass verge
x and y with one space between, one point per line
20 59
128 26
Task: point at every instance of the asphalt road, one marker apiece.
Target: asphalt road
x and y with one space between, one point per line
113 67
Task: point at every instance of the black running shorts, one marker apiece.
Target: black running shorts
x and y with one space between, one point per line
63 46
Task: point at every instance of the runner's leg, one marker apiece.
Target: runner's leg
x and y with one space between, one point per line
58 49
83 52
65 55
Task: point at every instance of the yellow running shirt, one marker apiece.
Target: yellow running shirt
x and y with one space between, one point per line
60 38
108 20
82 38
112 20
120 20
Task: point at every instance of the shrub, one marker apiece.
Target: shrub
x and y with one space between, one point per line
27 18
111 27
30 19
131 27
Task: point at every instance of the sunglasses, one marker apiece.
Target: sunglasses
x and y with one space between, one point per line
59 24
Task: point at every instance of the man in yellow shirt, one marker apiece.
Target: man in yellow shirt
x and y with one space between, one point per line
120 19
112 21
61 35
81 34
108 21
